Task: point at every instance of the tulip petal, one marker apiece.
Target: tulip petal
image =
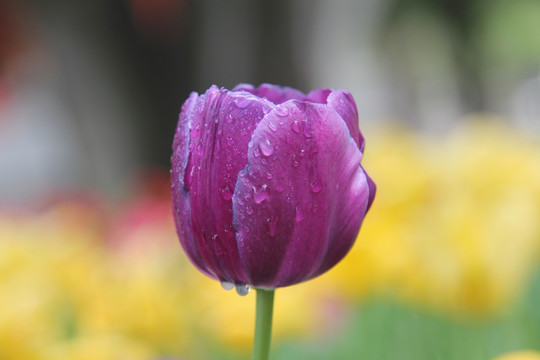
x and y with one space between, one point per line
372 190
319 96
343 102
219 137
299 202
179 193
275 94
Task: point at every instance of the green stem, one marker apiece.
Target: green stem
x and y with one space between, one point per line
263 324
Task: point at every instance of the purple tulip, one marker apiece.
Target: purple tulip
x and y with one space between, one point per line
267 185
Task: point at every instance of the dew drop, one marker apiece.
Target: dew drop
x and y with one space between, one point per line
280 188
266 147
269 176
302 153
195 132
315 187
299 214
249 210
229 118
188 177
295 127
226 192
260 195
227 285
282 111
272 127
308 132
272 225
242 289
241 102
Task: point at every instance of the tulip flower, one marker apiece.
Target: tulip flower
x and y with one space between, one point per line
267 184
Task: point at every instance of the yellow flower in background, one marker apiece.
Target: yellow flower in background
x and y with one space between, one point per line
81 293
520 355
455 226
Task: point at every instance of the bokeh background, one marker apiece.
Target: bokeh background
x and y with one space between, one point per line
446 263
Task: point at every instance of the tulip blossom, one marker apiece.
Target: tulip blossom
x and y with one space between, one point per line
267 185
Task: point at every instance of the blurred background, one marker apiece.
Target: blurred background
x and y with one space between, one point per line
446 264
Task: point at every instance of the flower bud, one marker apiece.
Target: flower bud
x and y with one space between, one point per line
267 184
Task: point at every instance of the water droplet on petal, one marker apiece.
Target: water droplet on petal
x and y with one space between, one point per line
260 195
249 210
299 214
272 225
242 289
195 132
188 177
308 133
315 187
241 102
296 127
295 162
272 126
269 176
229 118
282 111
227 285
226 192
266 147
